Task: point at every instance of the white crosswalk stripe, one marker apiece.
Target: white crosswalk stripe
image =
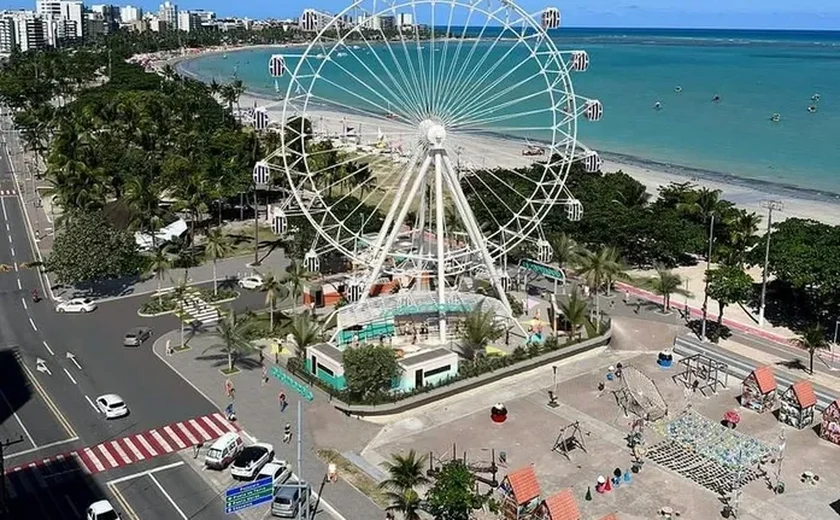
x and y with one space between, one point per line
174 437
188 434
120 452
93 458
148 447
107 454
137 453
161 441
201 431
210 423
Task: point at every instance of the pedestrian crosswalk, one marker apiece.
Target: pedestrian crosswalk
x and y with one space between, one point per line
30 477
7 193
196 309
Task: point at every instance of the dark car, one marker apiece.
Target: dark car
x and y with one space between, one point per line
136 336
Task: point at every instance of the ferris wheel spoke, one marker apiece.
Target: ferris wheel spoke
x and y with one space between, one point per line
349 108
440 72
421 65
445 83
410 86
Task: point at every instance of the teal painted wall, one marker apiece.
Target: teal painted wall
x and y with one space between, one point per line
337 382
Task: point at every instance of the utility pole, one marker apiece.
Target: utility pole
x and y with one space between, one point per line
256 228
706 283
770 206
4 508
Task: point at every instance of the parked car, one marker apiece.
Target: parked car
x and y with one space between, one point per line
251 459
112 406
224 450
252 282
101 510
136 336
83 305
287 499
278 470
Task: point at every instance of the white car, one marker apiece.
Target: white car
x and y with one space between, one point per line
252 282
112 406
251 459
102 510
278 470
76 305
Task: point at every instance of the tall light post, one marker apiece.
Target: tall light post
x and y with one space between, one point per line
770 206
706 283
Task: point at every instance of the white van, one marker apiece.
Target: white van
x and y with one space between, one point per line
222 452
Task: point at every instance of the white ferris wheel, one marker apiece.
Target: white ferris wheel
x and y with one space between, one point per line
394 149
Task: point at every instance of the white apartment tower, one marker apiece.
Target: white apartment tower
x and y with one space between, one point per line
188 21
129 14
168 13
72 10
405 19
30 31
8 41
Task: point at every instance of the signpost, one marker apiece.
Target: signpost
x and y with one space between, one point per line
249 495
288 380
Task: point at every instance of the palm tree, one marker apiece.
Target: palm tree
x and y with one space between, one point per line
158 265
632 196
305 331
179 292
405 472
217 246
295 279
575 309
407 503
274 290
665 284
567 253
599 270
480 328
742 235
812 339
232 332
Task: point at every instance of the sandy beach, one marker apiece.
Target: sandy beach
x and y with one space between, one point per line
482 150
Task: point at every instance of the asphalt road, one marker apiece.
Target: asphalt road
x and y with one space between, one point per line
155 395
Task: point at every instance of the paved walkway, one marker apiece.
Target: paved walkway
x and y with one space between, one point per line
258 412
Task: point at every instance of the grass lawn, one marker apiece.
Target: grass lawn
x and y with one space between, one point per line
354 476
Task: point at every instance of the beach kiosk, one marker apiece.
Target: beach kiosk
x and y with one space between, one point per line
559 506
427 368
758 391
830 427
797 405
520 494
326 362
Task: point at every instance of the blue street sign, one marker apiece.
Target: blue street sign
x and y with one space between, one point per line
542 269
249 495
286 379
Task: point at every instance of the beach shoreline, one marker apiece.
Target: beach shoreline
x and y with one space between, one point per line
744 192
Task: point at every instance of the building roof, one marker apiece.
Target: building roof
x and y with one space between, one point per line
524 485
562 506
426 355
611 516
765 379
804 394
328 351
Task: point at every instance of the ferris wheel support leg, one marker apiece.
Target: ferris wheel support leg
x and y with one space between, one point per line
382 254
441 251
420 233
463 207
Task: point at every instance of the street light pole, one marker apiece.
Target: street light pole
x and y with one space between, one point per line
770 206
706 286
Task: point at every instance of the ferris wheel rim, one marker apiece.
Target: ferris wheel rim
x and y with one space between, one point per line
555 190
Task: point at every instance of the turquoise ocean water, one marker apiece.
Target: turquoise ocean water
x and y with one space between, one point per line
756 73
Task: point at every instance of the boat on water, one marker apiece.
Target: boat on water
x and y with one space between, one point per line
657 106
341 54
812 109
224 56
678 89
716 99
815 98
776 117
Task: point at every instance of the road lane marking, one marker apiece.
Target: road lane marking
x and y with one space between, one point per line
209 423
95 409
49 349
187 433
201 431
33 450
120 452
17 418
133 449
32 322
40 478
87 452
51 405
10 239
16 267
72 507
13 251
107 456
123 502
23 301
224 422
145 444
171 501
3 204
174 436
161 441
20 287
152 471
71 377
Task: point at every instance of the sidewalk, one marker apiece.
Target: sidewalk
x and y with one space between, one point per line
258 413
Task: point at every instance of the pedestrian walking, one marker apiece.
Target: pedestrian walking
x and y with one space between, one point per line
230 392
281 397
264 376
626 297
197 449
262 357
638 307
168 347
287 433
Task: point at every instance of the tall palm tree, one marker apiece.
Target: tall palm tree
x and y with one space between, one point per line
632 196
407 503
742 235
217 246
480 328
295 279
405 472
567 253
305 331
665 284
575 309
274 291
812 339
599 270
179 292
158 266
232 332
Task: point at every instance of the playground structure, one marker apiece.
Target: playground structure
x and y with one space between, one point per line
640 395
702 373
570 437
479 469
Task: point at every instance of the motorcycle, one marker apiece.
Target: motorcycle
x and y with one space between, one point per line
35 296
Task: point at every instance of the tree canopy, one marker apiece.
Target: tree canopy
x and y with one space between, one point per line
370 369
452 496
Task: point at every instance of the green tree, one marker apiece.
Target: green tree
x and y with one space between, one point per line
305 331
728 285
407 503
480 327
159 262
575 309
453 496
217 246
274 291
665 284
599 270
233 334
405 471
370 369
812 339
87 247
567 252
295 279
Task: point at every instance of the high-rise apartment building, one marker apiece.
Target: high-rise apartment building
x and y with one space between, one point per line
204 15
29 30
188 21
110 16
8 42
72 10
129 14
168 13
405 19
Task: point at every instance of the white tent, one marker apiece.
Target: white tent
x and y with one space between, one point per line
173 230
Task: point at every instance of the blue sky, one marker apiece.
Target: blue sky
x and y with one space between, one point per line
754 14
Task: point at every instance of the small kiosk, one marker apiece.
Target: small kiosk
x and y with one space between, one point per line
520 493
797 405
559 506
758 391
427 367
326 362
830 427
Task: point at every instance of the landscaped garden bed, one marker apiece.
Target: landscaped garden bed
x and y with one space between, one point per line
166 303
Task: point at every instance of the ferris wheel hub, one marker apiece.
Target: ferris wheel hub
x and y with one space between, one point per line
432 133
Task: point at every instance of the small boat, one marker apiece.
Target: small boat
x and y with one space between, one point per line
716 99
341 54
812 109
224 56
776 117
678 89
657 106
815 98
